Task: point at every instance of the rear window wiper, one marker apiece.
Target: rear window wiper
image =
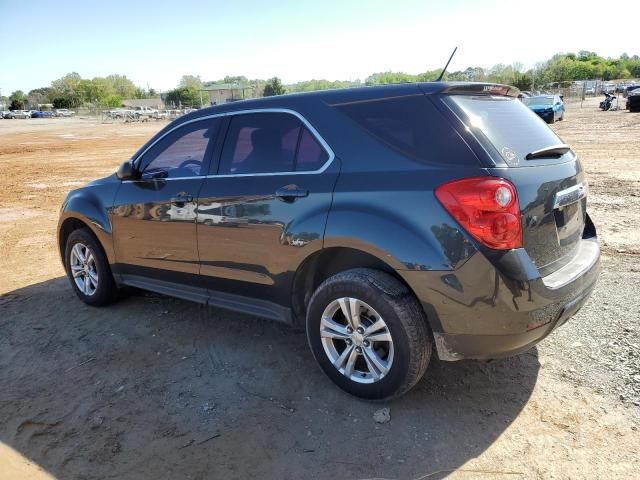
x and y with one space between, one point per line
552 151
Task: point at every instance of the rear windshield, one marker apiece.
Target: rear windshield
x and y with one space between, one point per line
413 126
509 125
539 101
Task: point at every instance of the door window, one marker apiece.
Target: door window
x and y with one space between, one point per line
182 153
270 143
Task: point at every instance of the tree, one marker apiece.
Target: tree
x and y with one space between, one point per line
273 87
68 88
18 100
183 96
122 85
38 96
62 102
112 101
192 82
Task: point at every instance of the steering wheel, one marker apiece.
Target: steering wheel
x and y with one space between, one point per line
191 161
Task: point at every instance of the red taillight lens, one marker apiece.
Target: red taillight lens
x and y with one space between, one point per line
487 208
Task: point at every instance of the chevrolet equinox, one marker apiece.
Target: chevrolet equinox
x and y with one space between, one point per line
385 221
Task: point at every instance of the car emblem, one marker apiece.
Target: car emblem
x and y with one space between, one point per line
510 156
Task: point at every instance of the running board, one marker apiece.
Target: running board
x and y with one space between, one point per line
227 301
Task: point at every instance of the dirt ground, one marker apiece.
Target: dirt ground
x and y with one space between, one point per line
158 388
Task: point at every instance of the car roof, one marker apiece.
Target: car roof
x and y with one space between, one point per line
355 94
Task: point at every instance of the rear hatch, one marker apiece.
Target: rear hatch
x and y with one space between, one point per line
548 176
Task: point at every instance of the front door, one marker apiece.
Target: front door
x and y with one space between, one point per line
266 208
153 218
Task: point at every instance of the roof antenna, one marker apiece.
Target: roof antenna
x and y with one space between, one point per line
445 67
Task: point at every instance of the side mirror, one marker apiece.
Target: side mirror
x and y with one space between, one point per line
126 171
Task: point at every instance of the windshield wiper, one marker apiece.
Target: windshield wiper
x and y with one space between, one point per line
552 151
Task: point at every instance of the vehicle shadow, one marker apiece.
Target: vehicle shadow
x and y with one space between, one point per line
154 387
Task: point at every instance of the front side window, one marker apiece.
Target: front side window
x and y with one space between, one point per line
270 143
181 153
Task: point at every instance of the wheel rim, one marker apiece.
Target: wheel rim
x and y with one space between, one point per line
83 269
356 340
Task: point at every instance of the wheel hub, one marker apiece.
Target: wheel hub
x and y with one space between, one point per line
357 339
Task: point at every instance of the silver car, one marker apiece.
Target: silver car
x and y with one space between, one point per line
18 114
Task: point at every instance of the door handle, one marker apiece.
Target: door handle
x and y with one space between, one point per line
290 193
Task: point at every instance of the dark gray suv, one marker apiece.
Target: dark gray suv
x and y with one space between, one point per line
386 221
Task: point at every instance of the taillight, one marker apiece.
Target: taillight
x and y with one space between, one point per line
487 208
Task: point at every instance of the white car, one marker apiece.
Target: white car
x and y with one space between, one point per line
64 112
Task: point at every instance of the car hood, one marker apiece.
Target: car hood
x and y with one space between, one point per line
102 181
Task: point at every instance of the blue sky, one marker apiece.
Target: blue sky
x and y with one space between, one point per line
155 42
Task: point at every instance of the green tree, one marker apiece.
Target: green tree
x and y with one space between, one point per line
183 97
273 87
121 86
68 88
112 101
62 102
38 96
18 100
192 82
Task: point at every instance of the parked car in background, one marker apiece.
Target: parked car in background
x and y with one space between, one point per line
144 112
633 99
41 114
428 231
548 107
64 112
629 88
18 114
590 91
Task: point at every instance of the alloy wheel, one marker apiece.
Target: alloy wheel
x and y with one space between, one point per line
83 269
356 340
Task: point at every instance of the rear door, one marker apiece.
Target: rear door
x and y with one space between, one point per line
154 217
550 182
264 210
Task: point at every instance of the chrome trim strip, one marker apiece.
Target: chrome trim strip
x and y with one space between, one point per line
306 123
570 195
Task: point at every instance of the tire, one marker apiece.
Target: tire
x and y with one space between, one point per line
103 290
380 297
552 120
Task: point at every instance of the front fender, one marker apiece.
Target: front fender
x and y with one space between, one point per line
89 205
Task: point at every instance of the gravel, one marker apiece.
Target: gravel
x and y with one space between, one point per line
600 346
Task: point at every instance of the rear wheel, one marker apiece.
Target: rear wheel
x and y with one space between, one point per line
88 270
368 333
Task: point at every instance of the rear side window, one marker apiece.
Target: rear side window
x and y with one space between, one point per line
509 125
413 126
270 143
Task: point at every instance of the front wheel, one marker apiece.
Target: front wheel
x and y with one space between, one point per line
368 333
88 269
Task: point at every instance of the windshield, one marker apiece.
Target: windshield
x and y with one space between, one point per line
540 101
509 125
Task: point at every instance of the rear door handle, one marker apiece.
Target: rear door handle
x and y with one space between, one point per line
290 193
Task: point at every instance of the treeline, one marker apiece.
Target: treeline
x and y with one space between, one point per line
73 91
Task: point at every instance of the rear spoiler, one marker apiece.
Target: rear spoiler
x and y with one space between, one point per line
482 89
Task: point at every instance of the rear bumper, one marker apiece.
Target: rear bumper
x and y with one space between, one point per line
481 311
